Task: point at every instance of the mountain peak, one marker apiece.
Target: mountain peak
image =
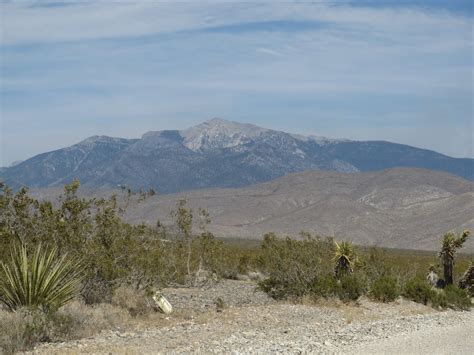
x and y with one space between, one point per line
219 133
94 140
217 121
227 125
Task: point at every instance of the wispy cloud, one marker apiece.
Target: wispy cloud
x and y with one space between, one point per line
109 19
123 67
268 51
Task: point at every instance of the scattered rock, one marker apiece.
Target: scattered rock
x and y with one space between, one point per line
253 323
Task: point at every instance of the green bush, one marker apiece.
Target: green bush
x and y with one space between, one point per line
326 286
385 289
418 290
298 268
452 297
351 287
294 266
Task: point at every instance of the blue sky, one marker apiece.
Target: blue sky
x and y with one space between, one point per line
392 70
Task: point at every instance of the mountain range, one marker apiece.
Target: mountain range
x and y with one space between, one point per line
216 153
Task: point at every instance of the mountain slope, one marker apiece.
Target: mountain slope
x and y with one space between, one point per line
216 153
400 208
86 160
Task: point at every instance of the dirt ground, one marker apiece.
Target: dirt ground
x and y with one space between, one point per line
250 322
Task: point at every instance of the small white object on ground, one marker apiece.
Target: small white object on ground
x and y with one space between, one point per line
162 303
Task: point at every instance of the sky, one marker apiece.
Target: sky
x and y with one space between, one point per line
400 71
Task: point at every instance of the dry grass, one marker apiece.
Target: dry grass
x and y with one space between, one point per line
16 332
82 321
135 301
23 329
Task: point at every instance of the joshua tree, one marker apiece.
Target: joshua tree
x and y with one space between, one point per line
344 256
448 249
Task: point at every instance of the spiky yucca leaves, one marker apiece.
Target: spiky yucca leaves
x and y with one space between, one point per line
42 280
448 250
344 257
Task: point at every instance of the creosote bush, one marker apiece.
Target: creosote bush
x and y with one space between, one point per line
351 287
293 266
385 289
451 297
418 290
301 268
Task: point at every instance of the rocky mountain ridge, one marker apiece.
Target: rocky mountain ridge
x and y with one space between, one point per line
216 153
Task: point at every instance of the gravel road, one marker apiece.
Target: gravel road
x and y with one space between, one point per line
458 339
268 327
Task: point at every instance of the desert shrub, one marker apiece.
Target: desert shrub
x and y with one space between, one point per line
351 287
385 289
209 253
42 280
451 297
418 290
77 320
136 302
23 329
301 268
243 266
376 264
325 286
293 266
467 280
236 260
97 290
275 288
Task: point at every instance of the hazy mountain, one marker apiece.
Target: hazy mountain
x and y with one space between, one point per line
401 208
216 153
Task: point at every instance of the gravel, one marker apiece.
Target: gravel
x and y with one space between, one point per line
253 323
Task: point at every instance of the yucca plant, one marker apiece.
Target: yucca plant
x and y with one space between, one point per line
448 250
344 257
42 280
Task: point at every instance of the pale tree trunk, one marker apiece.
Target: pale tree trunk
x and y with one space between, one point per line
188 261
